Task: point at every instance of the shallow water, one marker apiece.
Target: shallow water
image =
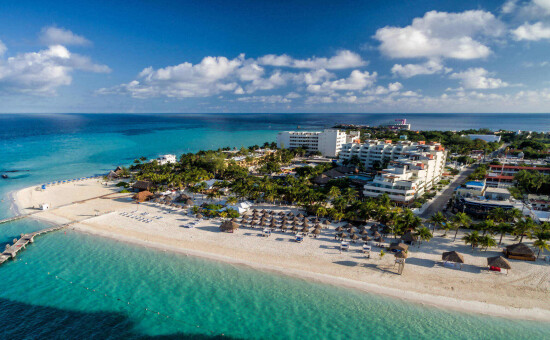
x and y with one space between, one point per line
195 298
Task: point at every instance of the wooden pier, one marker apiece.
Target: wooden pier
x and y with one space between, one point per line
19 244
14 218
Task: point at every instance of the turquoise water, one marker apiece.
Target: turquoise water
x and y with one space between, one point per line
201 298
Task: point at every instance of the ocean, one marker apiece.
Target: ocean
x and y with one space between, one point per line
72 285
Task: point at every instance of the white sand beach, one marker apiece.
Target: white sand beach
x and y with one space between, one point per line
100 210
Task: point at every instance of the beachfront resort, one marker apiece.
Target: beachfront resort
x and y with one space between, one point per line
386 215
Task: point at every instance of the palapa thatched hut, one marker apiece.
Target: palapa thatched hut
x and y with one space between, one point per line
143 196
283 227
200 216
189 202
409 237
401 255
316 231
366 238
364 232
326 222
339 229
300 215
520 251
453 256
399 246
376 234
305 230
499 262
354 237
229 226
294 228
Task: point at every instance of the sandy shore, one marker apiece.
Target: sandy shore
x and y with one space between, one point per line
523 293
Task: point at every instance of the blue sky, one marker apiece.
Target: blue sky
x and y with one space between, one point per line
275 56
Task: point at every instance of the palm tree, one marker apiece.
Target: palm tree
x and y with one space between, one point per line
503 229
461 220
232 200
542 245
524 227
472 238
498 215
424 234
438 220
334 192
487 241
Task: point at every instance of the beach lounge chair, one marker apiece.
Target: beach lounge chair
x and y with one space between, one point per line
344 246
299 239
366 248
266 232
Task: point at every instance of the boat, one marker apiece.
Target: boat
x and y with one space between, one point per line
4 176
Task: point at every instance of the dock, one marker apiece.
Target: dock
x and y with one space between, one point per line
14 218
20 244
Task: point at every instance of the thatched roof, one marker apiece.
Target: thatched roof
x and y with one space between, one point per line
376 234
498 261
305 230
112 175
401 255
316 231
519 249
199 216
399 246
142 185
409 237
143 196
228 226
366 238
339 229
354 237
189 202
452 256
326 222
300 215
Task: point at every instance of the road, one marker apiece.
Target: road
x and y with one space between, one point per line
440 202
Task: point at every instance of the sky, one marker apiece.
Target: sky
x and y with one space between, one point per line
275 56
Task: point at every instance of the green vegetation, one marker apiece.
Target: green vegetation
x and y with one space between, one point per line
532 182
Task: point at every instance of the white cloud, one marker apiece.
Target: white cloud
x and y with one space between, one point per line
342 60
60 36
534 32
410 70
313 77
478 78
509 6
441 34
293 95
277 79
44 71
319 100
275 99
356 81
210 76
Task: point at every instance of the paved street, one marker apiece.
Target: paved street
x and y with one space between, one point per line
441 201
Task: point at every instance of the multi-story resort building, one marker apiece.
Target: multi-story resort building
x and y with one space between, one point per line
398 124
501 176
410 168
328 142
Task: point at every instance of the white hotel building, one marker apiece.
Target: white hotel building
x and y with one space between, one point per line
412 167
329 142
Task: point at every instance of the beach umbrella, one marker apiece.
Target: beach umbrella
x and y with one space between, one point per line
199 216
316 220
339 229
305 224
399 246
305 230
294 223
300 215
376 234
254 210
364 232
273 225
263 224
317 226
452 256
229 226
326 222
316 231
189 202
233 219
381 240
351 230
294 228
354 237
401 255
290 214
498 261
284 227
366 238
281 213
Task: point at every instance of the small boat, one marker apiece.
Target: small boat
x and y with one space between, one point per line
4 176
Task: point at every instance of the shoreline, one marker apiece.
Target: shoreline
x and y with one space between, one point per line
434 301
97 226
